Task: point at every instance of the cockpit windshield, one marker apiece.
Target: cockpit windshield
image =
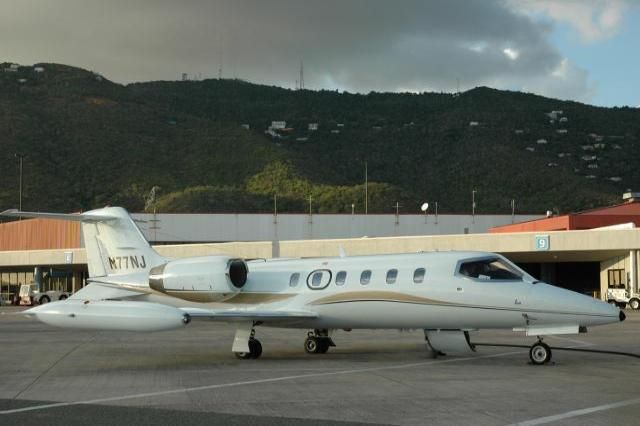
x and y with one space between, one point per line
493 268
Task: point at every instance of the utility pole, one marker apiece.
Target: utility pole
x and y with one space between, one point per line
310 213
366 189
473 206
21 157
397 206
513 211
436 212
275 208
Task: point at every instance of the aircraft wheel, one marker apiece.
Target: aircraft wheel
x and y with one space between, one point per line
312 345
255 350
540 353
634 303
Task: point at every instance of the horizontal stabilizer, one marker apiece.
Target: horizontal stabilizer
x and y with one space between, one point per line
77 217
96 291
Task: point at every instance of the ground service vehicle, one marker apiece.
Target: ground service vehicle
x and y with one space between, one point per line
621 297
28 295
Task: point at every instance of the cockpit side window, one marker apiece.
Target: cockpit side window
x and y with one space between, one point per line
491 269
293 280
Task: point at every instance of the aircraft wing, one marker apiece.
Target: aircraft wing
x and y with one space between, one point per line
250 314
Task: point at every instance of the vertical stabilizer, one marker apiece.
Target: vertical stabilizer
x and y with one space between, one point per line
116 246
114 243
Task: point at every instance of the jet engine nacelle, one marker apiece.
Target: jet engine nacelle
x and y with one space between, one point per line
200 279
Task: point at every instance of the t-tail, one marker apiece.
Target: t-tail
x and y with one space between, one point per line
117 251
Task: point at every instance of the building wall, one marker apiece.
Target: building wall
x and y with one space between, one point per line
180 228
39 234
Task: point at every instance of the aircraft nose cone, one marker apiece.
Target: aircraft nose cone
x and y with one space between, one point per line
622 316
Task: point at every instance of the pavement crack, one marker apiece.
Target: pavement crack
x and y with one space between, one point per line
52 366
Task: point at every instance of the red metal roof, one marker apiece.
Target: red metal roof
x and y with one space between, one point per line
588 219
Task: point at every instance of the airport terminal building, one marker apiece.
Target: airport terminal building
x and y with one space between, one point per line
588 251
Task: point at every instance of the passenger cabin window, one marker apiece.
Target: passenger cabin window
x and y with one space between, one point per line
392 275
493 269
365 277
293 281
319 279
341 277
418 275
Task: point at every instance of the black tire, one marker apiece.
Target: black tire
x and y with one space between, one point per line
255 348
634 303
311 345
540 353
323 346
44 299
63 297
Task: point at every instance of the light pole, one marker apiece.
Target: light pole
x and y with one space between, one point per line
21 157
366 189
473 206
513 210
436 212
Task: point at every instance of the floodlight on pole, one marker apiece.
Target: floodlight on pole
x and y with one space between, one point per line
424 208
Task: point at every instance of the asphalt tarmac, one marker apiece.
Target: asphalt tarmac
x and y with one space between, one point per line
190 376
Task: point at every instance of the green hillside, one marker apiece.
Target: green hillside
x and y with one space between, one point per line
90 142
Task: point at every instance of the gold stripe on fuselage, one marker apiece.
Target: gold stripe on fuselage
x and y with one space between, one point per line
382 296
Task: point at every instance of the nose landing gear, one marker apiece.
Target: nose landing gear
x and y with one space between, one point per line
540 353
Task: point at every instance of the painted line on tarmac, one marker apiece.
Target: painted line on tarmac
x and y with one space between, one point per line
251 382
576 413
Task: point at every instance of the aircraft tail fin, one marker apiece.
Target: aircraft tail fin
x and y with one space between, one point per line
114 243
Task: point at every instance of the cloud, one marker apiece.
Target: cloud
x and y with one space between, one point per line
594 20
354 45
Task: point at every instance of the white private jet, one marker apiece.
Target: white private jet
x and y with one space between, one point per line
447 294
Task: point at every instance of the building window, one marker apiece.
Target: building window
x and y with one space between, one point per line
365 277
341 277
392 274
616 278
418 275
293 281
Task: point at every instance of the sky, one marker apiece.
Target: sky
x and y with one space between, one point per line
583 50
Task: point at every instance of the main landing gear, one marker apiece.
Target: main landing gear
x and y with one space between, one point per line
318 342
540 353
245 339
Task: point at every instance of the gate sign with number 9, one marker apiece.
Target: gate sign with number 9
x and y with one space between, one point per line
542 242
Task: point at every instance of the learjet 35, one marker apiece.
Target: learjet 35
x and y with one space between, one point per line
447 294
